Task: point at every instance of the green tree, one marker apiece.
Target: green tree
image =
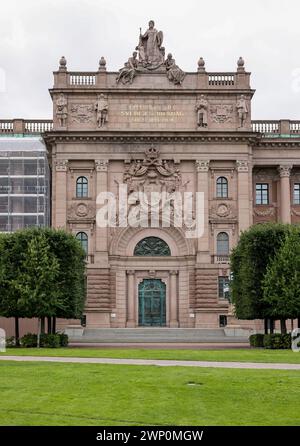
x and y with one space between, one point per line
42 274
281 284
249 260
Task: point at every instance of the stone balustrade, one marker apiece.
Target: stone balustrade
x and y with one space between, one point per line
25 126
281 128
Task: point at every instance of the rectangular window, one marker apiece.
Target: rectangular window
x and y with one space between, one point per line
222 320
297 193
223 287
262 193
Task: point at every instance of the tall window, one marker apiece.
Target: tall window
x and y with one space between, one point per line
222 244
83 238
262 193
297 193
222 187
223 286
81 187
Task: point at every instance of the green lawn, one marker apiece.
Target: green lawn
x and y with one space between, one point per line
94 394
246 355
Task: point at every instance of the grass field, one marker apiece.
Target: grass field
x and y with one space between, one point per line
90 394
240 355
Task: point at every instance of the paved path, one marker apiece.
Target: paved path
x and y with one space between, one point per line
163 345
157 362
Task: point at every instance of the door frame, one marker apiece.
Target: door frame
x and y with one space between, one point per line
161 275
162 298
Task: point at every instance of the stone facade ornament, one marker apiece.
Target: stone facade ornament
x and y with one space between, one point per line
241 65
242 166
63 64
201 65
242 110
102 64
101 108
82 113
61 165
264 212
202 165
201 110
81 210
221 113
285 170
174 73
222 210
128 72
101 165
62 110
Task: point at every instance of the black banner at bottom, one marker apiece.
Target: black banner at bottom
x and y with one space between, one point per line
128 435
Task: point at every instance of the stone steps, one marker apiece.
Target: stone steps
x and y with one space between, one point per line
156 335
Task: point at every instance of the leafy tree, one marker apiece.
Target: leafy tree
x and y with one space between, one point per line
42 274
249 260
281 284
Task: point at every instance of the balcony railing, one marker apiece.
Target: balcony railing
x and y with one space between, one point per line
221 79
25 126
220 258
282 128
82 78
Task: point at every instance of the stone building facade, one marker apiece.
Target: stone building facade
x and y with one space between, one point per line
155 128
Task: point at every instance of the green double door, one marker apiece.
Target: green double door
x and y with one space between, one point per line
152 303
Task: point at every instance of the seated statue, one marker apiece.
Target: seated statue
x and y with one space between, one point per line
128 72
174 73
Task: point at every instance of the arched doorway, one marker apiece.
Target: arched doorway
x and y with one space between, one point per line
152 303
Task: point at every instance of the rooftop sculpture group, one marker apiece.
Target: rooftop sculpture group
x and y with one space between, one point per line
150 56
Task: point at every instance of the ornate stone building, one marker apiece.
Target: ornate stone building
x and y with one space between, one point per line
155 128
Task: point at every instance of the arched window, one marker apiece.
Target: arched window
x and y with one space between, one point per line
222 244
222 187
152 246
81 187
83 238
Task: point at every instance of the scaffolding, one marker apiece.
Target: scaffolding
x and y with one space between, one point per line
24 183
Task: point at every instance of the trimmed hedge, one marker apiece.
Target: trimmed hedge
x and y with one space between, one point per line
277 341
63 339
257 340
29 340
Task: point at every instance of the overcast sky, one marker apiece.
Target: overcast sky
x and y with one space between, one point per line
35 33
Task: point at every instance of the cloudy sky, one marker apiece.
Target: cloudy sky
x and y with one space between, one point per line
35 33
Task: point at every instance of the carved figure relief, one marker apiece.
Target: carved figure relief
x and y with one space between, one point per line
62 110
82 113
242 110
201 110
101 108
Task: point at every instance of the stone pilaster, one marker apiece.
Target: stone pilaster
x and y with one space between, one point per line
101 255
244 181
60 213
285 193
202 167
173 299
130 299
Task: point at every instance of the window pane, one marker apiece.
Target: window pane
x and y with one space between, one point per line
262 193
297 193
223 244
81 187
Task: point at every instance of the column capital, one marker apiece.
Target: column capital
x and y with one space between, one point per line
61 165
101 165
285 170
242 165
202 165
130 272
173 272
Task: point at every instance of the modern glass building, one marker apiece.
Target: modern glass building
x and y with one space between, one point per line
24 182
